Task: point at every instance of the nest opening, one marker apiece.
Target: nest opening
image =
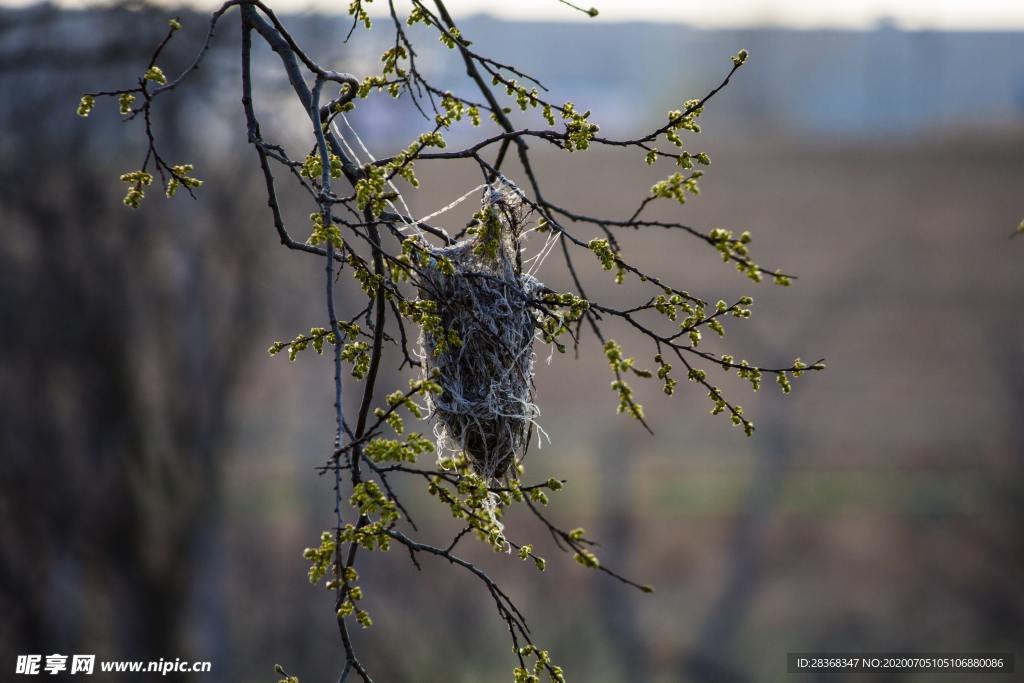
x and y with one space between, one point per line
485 408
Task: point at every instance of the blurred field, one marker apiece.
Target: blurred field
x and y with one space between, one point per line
159 483
876 507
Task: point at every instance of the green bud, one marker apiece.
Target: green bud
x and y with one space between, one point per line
125 101
87 102
155 74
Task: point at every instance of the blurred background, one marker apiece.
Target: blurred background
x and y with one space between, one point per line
158 467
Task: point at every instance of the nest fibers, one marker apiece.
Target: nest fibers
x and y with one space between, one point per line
485 408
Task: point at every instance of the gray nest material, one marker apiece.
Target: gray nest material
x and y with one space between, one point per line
485 407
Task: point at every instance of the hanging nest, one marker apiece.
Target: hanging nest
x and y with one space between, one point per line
485 408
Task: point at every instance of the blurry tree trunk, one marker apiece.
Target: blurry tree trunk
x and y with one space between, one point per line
126 329
617 604
712 658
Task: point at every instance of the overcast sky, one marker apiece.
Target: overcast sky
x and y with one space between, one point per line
912 14
947 14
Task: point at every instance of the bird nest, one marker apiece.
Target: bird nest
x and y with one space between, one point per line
485 408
